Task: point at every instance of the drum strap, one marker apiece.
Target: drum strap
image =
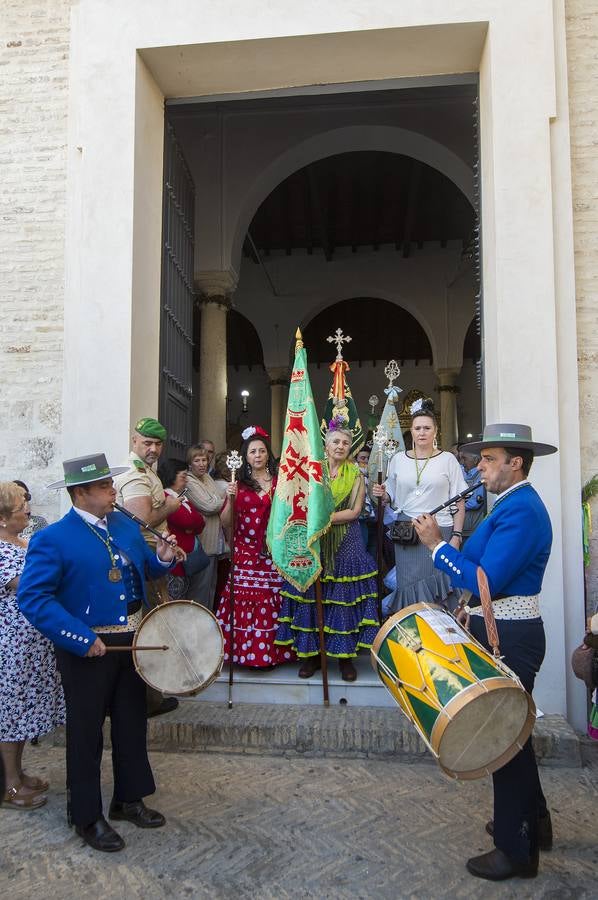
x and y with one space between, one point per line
489 620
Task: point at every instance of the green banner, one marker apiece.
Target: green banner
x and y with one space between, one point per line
302 503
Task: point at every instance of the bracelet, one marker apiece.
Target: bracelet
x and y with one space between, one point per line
457 534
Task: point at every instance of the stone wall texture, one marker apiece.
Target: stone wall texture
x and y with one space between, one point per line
34 59
582 54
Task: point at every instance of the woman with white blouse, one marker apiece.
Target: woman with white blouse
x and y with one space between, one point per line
418 481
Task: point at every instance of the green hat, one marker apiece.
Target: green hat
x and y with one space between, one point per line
505 434
86 470
151 428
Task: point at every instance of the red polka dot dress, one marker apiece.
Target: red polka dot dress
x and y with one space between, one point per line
257 588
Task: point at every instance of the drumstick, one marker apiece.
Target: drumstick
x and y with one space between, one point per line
130 647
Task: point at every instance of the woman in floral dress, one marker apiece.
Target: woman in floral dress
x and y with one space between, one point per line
257 584
31 699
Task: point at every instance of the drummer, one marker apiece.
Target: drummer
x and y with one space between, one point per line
512 545
83 587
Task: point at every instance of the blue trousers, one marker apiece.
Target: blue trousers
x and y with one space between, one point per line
518 797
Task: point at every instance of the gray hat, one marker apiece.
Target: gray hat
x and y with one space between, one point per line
512 437
85 470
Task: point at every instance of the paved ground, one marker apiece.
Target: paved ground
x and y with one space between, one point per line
243 826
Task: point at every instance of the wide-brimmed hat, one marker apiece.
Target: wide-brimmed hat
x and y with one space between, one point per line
510 436
85 470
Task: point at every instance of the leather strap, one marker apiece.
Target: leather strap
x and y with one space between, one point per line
489 620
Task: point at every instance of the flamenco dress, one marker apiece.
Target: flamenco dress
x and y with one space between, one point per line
257 599
349 589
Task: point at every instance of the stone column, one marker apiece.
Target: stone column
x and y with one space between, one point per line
448 406
216 289
279 381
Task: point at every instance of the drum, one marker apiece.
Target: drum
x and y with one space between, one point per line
469 708
195 648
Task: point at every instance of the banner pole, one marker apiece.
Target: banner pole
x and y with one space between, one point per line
323 657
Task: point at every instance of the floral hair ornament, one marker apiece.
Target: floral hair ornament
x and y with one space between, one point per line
422 406
254 431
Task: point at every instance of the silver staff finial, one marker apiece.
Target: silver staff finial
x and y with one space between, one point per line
380 437
392 371
233 462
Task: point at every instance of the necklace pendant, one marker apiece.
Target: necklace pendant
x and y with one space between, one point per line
114 574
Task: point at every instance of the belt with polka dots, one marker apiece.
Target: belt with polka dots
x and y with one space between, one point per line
132 624
517 607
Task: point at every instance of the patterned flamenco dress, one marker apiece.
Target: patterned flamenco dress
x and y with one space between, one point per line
257 588
349 589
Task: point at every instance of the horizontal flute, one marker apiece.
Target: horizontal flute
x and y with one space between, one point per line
143 524
457 497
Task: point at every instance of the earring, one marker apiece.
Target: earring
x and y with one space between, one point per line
435 444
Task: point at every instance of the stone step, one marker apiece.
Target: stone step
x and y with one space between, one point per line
283 686
337 730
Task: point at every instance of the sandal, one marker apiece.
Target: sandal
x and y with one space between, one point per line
310 667
39 785
15 798
347 670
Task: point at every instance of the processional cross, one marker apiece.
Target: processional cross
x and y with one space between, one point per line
339 339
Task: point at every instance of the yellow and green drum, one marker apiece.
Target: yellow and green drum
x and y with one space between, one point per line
469 708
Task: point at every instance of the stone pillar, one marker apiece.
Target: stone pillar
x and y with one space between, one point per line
448 406
279 380
216 289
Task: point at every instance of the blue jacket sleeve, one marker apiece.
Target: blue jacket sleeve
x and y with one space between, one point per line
36 596
510 546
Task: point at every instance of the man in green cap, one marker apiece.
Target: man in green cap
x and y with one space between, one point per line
140 490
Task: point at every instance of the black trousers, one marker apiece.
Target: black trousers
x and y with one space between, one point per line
92 688
518 797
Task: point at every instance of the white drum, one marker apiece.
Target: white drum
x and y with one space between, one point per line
195 645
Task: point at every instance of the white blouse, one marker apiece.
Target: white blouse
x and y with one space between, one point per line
440 478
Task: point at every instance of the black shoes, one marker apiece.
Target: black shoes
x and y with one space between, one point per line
497 866
137 813
544 832
101 836
169 704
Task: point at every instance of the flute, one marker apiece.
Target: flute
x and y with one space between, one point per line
457 497
127 512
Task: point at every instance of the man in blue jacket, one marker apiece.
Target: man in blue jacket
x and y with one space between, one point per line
83 588
512 546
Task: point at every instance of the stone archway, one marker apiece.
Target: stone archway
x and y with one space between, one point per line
342 140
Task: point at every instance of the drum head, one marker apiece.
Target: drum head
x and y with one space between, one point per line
195 648
483 728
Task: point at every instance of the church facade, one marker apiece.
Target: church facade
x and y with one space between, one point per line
215 120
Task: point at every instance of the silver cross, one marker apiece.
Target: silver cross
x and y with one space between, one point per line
392 371
339 339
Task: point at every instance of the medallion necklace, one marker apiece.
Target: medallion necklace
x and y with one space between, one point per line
114 573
